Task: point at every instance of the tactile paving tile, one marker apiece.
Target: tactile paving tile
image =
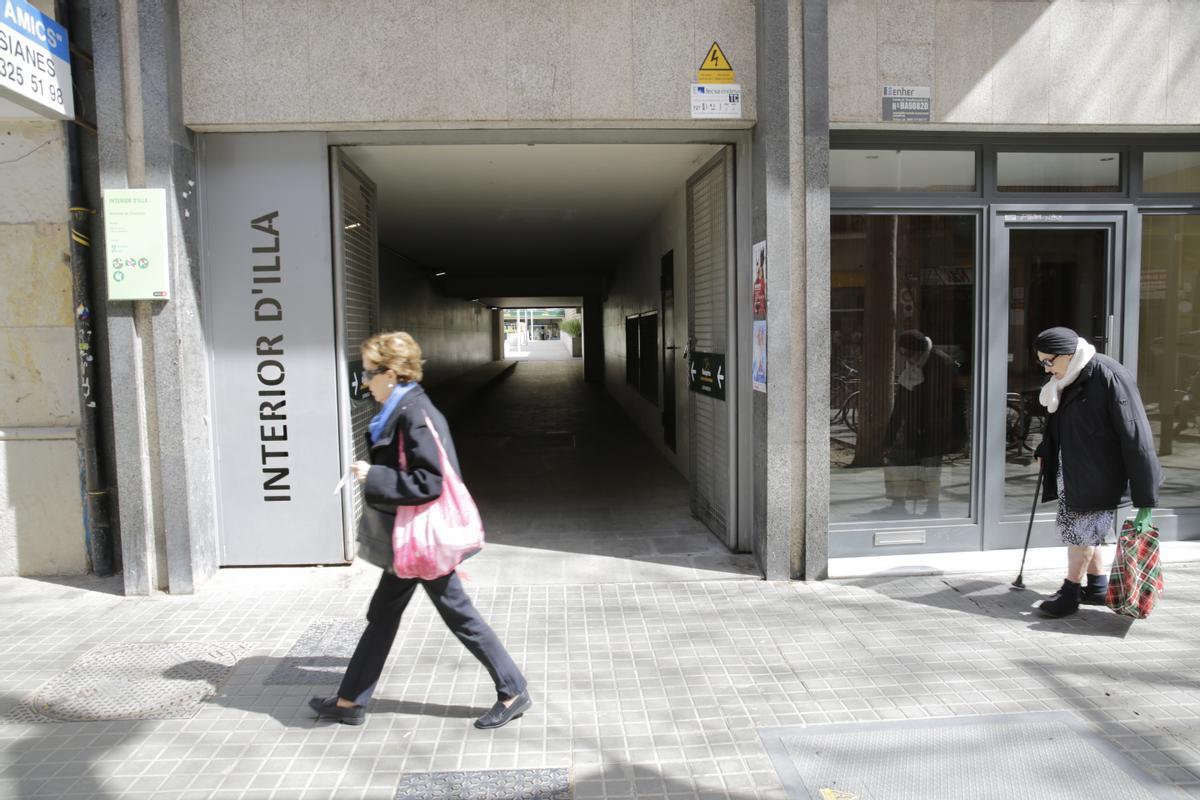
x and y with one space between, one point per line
499 784
132 682
320 655
1042 755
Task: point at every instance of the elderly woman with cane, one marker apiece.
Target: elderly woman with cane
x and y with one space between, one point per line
1098 446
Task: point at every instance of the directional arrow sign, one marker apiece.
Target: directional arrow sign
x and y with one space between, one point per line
706 374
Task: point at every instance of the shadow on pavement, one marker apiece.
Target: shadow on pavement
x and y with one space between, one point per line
289 707
999 600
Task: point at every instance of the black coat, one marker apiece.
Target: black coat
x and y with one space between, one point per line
1104 436
929 419
387 486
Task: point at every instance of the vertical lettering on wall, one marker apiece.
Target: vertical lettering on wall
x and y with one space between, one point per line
266 270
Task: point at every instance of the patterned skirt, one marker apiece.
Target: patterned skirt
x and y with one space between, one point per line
1080 528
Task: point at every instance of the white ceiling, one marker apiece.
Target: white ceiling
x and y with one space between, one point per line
522 209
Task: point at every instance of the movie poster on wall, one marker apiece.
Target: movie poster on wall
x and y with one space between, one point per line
758 374
758 289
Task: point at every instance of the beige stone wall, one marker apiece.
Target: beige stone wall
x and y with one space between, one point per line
285 64
1020 62
41 518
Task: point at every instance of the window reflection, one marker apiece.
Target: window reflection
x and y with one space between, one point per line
902 327
1169 351
1058 172
902 170
1171 172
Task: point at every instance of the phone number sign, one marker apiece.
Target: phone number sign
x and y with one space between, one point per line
35 61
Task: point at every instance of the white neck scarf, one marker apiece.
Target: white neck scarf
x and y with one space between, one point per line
913 374
1052 391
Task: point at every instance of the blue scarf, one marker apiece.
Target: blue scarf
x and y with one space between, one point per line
389 405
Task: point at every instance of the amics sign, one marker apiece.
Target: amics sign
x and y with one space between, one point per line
35 61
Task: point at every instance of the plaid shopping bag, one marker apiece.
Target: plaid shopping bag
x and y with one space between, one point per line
1136 580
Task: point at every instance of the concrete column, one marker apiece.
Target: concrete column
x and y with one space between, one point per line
157 356
791 212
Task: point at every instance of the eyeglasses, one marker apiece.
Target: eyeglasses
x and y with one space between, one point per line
368 374
1049 362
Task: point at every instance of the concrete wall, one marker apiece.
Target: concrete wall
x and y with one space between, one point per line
1037 62
272 64
41 513
636 289
455 335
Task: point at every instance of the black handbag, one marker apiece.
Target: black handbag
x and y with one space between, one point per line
375 536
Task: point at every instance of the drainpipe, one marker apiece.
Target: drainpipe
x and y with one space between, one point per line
98 531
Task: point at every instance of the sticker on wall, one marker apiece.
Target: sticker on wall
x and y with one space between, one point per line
716 101
758 368
758 289
715 68
135 238
906 103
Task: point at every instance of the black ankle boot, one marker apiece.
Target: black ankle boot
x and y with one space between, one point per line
1096 591
1065 603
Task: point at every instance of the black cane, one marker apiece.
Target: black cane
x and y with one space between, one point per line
1037 495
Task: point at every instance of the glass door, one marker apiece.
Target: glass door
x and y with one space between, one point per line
1047 269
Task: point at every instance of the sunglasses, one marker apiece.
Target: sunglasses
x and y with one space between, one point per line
368 374
1049 362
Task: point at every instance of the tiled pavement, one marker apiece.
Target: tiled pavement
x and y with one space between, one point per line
651 690
660 667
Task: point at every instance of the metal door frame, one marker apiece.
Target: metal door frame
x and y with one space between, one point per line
1000 530
858 537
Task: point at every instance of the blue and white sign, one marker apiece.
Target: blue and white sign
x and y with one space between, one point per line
716 101
35 61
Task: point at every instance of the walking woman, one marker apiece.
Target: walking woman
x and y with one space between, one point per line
1098 445
392 372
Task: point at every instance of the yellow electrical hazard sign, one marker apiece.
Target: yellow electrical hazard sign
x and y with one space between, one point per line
835 794
716 67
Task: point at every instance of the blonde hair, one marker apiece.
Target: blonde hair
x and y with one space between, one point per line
397 351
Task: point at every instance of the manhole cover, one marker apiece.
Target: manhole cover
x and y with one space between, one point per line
132 681
498 784
984 758
320 655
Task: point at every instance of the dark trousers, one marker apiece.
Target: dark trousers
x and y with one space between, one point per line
450 599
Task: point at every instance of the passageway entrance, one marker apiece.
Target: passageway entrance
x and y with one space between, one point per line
500 252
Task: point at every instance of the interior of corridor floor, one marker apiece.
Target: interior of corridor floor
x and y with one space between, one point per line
572 492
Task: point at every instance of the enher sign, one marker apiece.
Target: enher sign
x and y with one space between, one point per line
35 61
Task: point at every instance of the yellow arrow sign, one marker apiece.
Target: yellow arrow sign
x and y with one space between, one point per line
835 794
716 67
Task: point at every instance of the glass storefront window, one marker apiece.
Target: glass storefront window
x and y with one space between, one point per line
1171 172
901 341
902 170
1058 172
1169 350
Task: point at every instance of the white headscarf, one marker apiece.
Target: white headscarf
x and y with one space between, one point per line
1052 391
913 374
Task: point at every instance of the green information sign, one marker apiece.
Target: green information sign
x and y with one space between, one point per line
135 237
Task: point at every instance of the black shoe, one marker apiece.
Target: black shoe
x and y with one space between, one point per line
1065 603
501 714
1096 591
328 707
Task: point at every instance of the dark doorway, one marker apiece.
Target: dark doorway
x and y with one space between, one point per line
668 348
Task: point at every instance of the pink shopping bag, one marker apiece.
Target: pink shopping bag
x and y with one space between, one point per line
429 540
